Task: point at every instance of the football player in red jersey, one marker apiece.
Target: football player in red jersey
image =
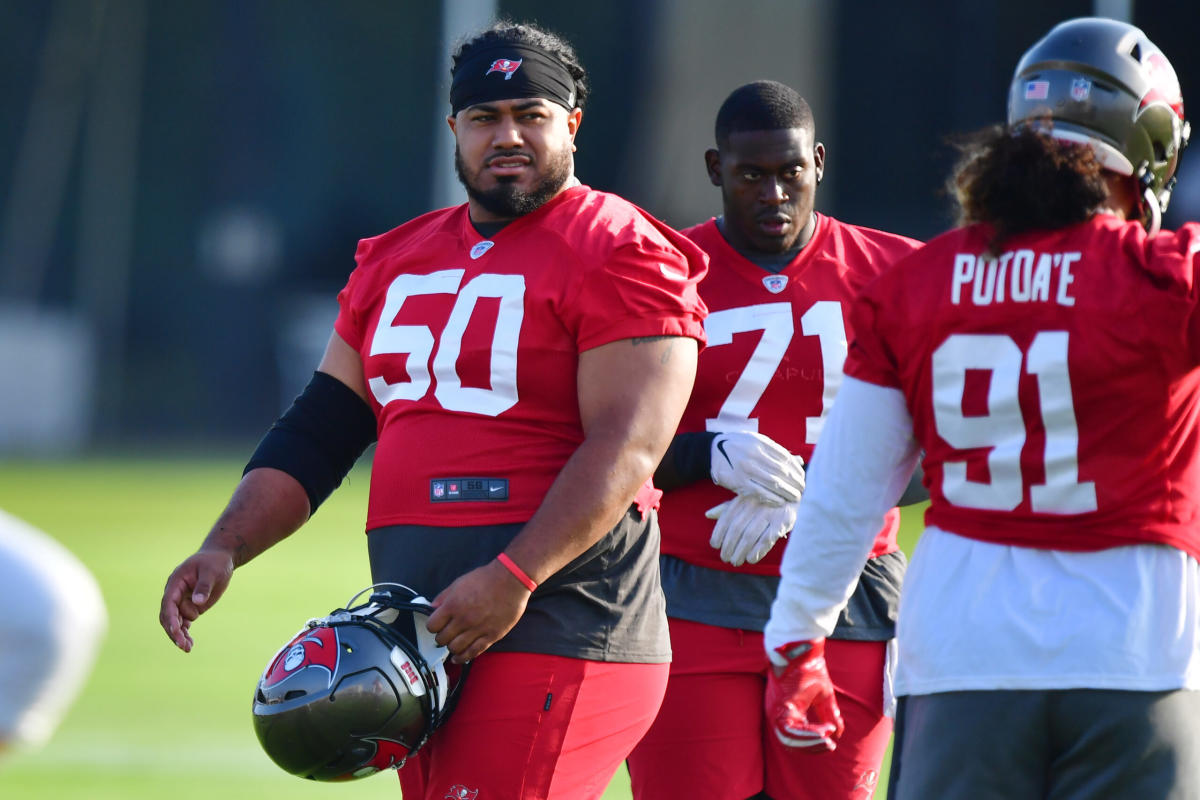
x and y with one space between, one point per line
524 359
779 288
1044 356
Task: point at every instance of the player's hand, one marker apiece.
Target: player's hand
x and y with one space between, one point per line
193 588
747 528
476 610
750 463
801 706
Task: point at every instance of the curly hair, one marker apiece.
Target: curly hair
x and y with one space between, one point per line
508 31
1024 179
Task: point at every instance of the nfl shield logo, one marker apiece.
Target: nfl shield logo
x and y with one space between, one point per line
775 283
480 249
1081 89
439 489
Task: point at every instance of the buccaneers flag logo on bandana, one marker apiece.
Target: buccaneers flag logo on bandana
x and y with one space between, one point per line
505 65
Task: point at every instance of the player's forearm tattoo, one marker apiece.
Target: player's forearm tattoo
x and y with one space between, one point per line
234 542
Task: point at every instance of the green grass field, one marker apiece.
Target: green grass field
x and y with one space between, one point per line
154 722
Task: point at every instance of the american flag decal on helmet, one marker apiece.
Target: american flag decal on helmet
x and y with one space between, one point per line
505 65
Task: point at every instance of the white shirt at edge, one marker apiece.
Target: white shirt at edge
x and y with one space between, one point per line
977 615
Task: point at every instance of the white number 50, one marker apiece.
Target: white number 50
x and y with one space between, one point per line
416 341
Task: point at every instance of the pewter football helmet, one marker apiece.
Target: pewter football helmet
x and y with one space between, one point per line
357 691
1104 83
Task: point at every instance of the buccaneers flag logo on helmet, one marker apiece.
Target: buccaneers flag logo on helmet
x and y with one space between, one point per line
1164 85
358 690
317 648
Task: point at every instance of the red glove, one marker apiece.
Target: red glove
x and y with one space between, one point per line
800 700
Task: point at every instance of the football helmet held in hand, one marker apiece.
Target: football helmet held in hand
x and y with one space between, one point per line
357 691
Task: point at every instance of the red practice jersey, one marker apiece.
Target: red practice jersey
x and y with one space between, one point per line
776 343
1053 388
470 346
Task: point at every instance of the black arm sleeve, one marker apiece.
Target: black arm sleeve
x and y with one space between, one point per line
319 438
688 459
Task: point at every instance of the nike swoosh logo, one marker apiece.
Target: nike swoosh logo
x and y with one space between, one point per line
672 274
495 488
721 447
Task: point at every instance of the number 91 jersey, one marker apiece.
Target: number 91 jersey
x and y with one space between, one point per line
773 363
470 346
1053 387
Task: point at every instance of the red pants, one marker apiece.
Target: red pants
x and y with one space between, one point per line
529 727
711 740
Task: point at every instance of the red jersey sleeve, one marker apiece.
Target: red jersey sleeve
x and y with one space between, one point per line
647 287
869 358
1173 256
348 325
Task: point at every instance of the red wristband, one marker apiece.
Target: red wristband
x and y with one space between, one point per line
517 572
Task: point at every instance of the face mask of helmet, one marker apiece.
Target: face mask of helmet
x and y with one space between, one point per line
357 691
1104 83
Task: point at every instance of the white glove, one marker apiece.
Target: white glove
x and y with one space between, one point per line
753 464
747 529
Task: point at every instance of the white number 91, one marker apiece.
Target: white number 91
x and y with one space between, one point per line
1003 428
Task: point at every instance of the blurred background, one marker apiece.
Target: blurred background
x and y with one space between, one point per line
182 183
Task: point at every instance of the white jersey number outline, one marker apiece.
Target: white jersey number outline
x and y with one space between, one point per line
823 319
417 342
1004 428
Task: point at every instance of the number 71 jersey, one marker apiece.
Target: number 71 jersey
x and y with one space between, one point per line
773 364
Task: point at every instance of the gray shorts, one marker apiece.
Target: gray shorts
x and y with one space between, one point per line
1076 744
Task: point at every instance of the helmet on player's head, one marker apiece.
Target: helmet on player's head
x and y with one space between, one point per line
1104 83
357 691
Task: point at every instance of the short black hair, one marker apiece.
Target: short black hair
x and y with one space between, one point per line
507 31
763 106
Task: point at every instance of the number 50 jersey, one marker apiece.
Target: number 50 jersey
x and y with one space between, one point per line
470 346
773 364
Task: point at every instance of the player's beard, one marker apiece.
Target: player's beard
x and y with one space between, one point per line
505 199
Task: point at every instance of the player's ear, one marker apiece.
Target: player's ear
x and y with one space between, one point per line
712 163
452 120
574 119
819 160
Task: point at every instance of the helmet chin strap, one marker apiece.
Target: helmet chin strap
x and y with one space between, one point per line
1151 210
1155 213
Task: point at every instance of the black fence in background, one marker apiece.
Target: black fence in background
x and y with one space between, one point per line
272 135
